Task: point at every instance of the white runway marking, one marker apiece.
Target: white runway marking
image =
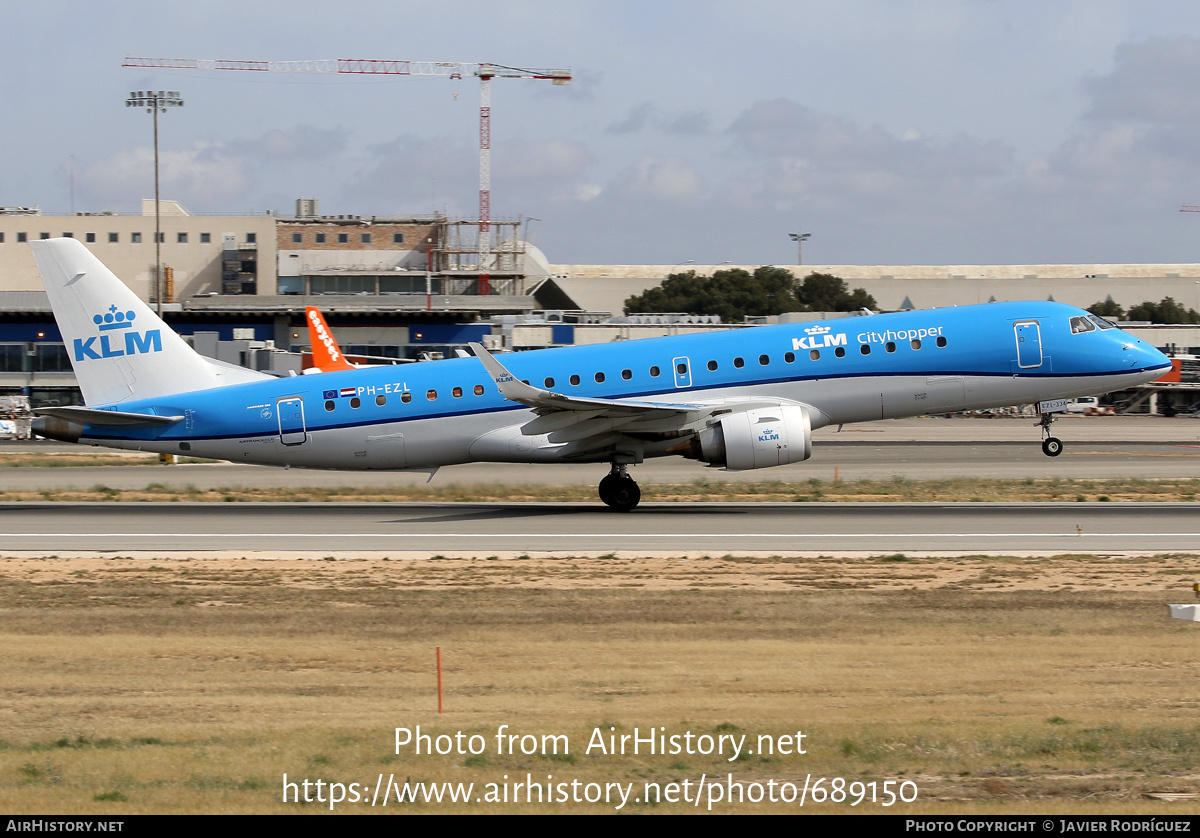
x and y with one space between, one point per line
601 534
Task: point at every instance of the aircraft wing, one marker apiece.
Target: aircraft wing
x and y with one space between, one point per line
545 401
110 418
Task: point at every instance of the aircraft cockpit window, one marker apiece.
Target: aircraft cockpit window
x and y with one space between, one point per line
1081 324
1101 322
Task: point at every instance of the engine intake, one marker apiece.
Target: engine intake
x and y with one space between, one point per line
758 438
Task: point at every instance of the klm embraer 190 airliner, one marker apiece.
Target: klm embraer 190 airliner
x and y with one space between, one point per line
738 399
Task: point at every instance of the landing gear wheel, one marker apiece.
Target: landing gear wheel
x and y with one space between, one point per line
1052 446
620 491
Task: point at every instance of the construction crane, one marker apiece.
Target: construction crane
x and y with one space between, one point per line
454 69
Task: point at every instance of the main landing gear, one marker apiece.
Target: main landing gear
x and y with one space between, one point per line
1051 445
619 490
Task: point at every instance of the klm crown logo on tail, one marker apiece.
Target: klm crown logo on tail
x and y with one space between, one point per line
108 345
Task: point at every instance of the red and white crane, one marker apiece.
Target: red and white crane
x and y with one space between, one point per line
454 69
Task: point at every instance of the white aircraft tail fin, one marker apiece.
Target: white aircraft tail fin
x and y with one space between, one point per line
120 349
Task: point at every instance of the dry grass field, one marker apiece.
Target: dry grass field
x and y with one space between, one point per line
895 490
153 683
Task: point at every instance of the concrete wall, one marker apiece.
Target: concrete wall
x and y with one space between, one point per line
930 286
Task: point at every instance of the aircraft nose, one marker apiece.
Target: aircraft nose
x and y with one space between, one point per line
1142 355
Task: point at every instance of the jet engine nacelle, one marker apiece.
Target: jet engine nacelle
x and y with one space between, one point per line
758 438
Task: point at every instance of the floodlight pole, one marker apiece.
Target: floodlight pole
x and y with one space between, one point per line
799 239
152 101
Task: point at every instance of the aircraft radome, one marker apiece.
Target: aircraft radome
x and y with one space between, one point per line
738 399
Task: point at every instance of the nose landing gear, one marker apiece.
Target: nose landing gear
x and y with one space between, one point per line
619 490
1052 446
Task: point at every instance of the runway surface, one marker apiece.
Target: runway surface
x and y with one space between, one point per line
581 528
916 449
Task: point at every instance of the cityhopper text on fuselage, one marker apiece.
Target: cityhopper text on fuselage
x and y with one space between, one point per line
737 399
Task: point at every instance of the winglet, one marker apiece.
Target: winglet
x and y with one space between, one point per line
511 387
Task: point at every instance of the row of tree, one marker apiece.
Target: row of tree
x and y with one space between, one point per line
1163 312
735 293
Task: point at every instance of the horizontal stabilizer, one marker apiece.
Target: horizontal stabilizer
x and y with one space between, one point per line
108 418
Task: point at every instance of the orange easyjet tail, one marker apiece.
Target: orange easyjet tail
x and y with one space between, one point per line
327 355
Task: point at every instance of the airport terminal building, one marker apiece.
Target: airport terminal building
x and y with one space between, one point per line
412 287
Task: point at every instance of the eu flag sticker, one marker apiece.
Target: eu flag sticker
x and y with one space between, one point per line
330 394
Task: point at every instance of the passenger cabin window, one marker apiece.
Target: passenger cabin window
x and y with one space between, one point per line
789 357
814 354
655 372
329 404
599 378
764 360
431 395
840 352
456 392
941 341
626 374
478 390
681 368
381 400
406 397
574 381
739 363
865 349
890 346
356 403
916 344
712 365
549 382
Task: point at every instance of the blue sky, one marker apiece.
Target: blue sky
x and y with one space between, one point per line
894 131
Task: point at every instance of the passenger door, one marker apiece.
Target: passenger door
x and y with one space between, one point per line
1029 344
291 421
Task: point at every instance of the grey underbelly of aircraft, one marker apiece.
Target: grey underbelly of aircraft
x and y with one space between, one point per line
504 436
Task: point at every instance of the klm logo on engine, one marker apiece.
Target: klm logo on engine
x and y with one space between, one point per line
769 435
117 337
818 337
